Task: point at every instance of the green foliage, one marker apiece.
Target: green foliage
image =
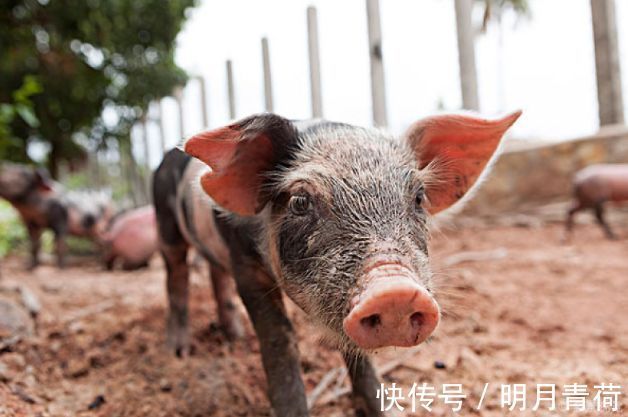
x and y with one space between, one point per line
77 181
87 55
12 232
81 246
20 106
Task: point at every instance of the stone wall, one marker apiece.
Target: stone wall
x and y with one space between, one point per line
541 174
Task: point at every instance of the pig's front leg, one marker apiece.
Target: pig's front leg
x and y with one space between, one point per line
225 295
177 283
58 221
365 384
278 345
60 249
34 235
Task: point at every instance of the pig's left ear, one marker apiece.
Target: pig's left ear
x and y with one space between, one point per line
457 149
240 156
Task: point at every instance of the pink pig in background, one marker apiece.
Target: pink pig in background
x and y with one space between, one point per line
131 239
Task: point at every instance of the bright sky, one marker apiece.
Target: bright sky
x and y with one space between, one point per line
543 65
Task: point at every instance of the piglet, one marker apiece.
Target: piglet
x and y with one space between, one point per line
37 199
595 185
333 216
130 239
43 204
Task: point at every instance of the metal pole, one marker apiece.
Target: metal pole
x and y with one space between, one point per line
315 63
145 141
145 174
607 66
178 96
230 90
268 82
378 87
162 130
204 110
466 55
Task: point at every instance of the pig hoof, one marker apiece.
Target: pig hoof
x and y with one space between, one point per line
362 408
233 330
177 341
179 345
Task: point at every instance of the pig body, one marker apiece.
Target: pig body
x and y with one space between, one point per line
595 185
332 215
43 204
38 201
131 239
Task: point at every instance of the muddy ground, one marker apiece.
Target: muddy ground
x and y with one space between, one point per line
521 308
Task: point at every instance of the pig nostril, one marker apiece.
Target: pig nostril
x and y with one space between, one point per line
371 321
417 319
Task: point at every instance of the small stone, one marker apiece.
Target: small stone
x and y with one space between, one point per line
6 375
96 402
30 301
76 327
165 385
78 368
23 395
14 360
14 320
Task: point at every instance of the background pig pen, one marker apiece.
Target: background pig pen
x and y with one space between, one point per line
519 307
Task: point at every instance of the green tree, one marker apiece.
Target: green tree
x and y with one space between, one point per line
87 56
20 107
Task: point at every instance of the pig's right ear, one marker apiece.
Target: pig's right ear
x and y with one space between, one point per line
240 155
457 148
43 180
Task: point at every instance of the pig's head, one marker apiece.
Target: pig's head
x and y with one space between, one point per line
343 212
17 181
90 212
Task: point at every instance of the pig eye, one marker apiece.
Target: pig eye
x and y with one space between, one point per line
300 204
418 199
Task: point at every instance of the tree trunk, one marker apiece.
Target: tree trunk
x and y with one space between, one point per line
53 161
608 74
466 55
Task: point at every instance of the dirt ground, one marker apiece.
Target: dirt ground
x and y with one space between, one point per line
519 308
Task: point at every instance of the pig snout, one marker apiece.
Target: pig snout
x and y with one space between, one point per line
393 309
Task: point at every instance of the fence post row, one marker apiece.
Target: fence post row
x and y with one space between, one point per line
145 177
162 130
203 90
230 90
378 86
268 81
315 63
178 96
607 68
466 55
